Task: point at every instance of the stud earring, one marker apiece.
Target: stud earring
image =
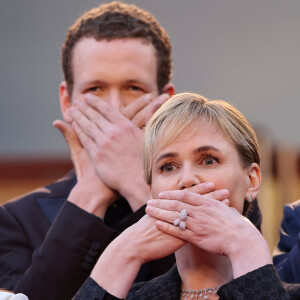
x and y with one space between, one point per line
249 199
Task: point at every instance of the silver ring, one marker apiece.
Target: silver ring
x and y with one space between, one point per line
176 222
183 215
182 225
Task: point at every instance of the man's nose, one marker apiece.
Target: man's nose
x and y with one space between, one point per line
188 179
115 99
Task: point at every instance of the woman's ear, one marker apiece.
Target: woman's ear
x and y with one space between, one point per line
254 174
65 102
169 89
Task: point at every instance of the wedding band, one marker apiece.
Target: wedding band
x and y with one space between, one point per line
182 225
176 222
183 215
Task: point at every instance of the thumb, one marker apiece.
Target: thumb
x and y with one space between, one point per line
69 136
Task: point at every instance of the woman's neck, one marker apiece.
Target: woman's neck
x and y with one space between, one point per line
199 269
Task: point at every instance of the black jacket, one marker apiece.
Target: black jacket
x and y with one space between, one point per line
48 246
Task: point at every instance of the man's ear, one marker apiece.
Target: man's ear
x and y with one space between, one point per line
254 174
65 102
169 89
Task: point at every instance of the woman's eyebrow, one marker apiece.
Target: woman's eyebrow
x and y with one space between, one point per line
166 155
206 148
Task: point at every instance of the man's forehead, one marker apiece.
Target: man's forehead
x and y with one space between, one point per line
116 44
120 52
115 62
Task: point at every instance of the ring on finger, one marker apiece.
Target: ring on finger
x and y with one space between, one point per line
176 222
182 225
183 215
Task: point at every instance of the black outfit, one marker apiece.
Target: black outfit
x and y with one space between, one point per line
260 284
48 246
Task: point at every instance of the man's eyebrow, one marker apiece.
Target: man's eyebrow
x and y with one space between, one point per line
136 81
166 155
93 82
206 148
133 81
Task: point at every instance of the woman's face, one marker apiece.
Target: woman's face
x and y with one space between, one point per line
201 155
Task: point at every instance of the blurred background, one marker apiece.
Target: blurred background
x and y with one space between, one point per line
245 52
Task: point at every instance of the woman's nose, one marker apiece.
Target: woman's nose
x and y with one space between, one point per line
189 178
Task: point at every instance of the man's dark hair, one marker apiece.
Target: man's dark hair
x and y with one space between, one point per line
118 20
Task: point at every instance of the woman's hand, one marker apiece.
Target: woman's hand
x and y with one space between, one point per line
212 226
206 221
119 264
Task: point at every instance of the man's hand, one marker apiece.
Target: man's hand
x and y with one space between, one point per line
141 110
89 193
114 143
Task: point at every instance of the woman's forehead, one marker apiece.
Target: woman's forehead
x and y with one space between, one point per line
170 135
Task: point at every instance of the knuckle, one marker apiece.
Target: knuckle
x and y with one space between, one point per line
109 109
89 130
86 143
105 144
175 205
138 120
127 127
185 194
172 217
114 133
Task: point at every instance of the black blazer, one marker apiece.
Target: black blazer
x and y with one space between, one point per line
260 284
48 246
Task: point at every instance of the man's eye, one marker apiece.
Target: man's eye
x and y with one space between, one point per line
135 88
94 89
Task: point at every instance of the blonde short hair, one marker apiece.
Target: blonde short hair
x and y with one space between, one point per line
182 110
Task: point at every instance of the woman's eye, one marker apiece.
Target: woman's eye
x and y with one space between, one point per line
167 168
209 161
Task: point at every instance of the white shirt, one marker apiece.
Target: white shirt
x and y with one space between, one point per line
11 296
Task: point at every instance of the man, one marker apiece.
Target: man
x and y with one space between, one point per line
51 238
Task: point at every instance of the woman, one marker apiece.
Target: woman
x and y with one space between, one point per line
192 145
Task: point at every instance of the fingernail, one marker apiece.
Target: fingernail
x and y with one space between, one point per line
161 195
149 209
77 103
164 98
89 97
148 98
209 185
226 202
225 192
150 202
72 110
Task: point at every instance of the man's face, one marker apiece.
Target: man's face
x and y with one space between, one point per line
117 71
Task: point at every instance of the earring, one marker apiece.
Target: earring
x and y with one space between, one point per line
249 198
